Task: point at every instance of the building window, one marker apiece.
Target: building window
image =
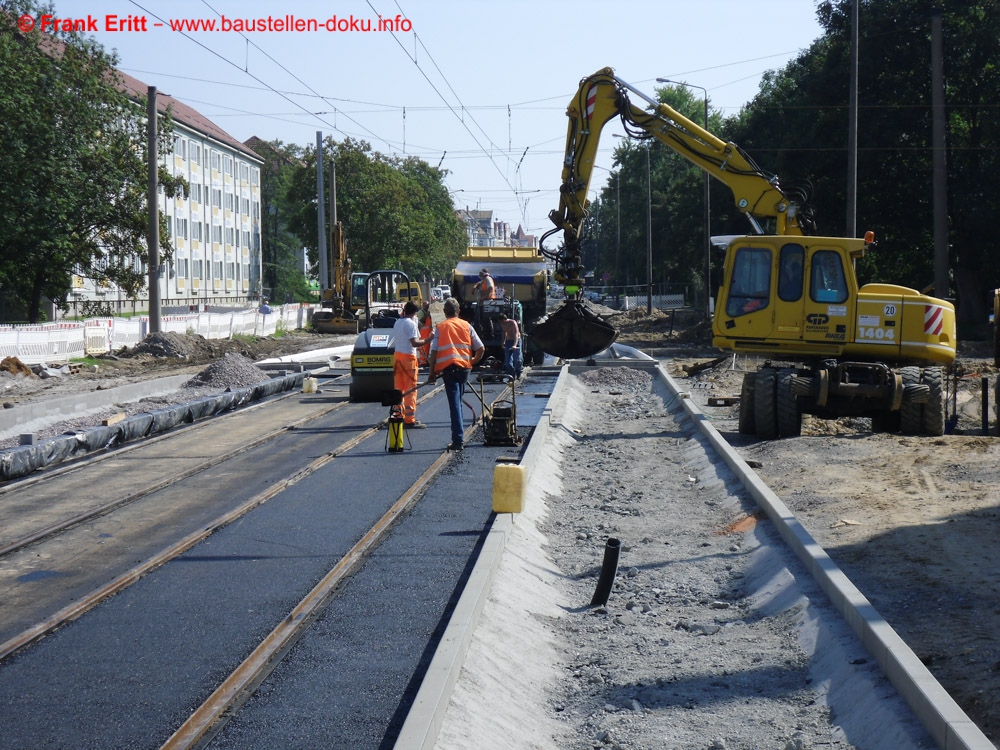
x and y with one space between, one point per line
195 190
196 230
195 153
228 161
217 270
217 197
246 205
217 233
229 236
182 229
182 267
196 269
246 271
229 201
180 147
230 271
215 160
246 239
245 172
255 176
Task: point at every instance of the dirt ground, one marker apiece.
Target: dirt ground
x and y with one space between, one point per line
913 521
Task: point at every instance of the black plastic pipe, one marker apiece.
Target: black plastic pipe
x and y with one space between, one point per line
609 569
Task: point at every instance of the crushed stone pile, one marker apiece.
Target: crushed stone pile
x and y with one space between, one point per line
232 371
173 345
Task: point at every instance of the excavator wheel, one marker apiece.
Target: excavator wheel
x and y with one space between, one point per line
932 420
764 407
748 425
789 415
910 414
574 331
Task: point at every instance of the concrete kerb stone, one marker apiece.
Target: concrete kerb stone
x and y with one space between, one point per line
423 722
944 720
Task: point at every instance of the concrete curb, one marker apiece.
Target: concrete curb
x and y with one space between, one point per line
69 405
944 720
424 720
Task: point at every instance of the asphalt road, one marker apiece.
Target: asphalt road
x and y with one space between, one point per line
130 671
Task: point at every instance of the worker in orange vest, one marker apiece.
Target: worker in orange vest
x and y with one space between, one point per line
407 341
426 325
455 349
486 287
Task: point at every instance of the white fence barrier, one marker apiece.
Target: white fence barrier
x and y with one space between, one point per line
660 301
60 342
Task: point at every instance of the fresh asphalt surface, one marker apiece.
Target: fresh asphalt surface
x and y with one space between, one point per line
129 672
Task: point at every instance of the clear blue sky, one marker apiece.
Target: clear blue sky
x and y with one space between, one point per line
470 84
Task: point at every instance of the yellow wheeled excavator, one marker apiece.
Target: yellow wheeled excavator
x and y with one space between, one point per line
336 314
835 349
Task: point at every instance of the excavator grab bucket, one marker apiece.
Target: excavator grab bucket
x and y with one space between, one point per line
574 331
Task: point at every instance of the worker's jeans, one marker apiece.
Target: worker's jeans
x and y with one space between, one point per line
454 388
512 364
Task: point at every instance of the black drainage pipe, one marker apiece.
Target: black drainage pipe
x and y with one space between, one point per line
609 569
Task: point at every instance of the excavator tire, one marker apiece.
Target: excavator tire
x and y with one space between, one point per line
748 425
933 410
764 407
789 413
910 414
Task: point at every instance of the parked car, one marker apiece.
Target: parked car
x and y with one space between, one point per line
445 291
436 294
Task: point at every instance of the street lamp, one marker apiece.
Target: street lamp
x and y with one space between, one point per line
708 207
649 232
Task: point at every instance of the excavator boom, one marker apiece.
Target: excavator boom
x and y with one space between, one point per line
576 330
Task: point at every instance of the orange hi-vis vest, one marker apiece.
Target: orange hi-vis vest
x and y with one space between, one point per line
427 326
454 344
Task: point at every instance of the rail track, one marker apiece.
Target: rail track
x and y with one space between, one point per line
275 566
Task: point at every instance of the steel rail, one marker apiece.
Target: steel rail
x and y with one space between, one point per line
206 722
79 607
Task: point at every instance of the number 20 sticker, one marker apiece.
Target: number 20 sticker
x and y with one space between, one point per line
889 311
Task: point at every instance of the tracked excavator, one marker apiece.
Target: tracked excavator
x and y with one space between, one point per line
833 349
336 314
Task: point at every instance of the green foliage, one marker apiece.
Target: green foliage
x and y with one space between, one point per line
72 165
798 126
396 211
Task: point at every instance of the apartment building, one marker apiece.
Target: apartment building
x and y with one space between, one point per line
215 230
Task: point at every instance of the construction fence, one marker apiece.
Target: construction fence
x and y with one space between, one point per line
66 340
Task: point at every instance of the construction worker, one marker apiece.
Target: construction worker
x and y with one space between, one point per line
486 287
425 323
455 349
512 362
404 366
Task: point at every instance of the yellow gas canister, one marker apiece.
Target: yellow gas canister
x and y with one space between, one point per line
509 484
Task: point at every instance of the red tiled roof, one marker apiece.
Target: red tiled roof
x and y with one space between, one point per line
182 113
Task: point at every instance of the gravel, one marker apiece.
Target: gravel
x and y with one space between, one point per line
713 636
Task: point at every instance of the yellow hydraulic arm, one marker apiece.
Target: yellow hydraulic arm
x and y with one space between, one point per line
601 97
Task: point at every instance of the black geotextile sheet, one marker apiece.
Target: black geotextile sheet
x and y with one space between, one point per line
23 460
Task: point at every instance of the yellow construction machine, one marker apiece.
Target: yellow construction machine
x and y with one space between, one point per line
835 349
336 313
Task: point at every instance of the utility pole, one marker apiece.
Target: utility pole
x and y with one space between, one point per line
324 272
941 286
152 204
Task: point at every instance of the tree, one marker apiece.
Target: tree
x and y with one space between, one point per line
797 126
396 211
72 165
